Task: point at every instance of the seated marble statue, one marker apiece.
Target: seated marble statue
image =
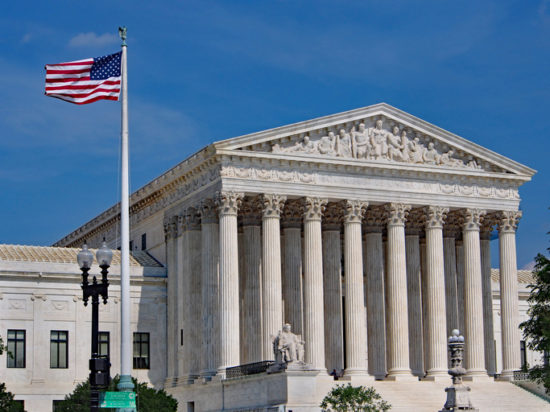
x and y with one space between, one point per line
288 347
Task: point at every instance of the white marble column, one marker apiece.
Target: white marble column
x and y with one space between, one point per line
507 226
210 287
374 269
272 297
228 206
355 319
488 329
292 255
473 298
414 296
424 291
252 270
192 307
170 234
314 330
396 293
450 232
332 287
436 363
182 296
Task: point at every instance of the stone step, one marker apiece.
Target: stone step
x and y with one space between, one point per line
486 396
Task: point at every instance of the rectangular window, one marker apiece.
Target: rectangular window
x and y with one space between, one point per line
131 245
16 345
141 350
523 354
103 343
144 241
59 349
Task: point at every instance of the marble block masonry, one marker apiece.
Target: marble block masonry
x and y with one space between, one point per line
367 231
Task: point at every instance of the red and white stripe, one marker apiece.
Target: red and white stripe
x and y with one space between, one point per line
71 82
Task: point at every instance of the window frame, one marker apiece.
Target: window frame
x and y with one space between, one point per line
57 342
137 361
100 336
11 362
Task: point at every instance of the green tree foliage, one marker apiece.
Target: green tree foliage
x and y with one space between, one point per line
148 399
536 330
354 398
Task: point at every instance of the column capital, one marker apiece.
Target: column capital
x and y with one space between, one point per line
509 220
332 217
472 218
354 210
435 216
374 219
453 225
208 211
397 213
272 204
251 211
314 208
292 214
490 220
228 203
416 220
170 227
191 219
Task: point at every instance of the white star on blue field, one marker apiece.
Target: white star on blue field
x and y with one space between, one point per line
205 71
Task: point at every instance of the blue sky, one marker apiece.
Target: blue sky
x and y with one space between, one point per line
201 71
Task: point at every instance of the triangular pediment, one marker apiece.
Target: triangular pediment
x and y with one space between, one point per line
378 134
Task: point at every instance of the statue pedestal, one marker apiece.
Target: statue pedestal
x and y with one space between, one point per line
289 366
458 399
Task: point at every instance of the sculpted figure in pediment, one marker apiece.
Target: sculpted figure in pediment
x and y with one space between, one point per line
306 145
343 144
395 146
378 141
360 142
326 144
416 151
431 156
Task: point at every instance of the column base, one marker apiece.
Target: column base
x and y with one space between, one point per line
404 375
477 376
506 376
436 378
356 371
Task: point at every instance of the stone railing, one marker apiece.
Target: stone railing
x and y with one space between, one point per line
248 369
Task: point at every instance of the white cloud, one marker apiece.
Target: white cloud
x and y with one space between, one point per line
92 39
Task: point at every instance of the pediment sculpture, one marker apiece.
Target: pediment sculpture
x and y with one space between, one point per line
380 144
288 351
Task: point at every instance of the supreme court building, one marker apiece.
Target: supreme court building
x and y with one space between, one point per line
368 231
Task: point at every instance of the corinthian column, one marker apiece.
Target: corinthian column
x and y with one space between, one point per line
507 226
272 299
398 325
192 308
374 269
314 329
210 277
228 206
450 232
170 234
488 330
414 291
473 301
356 326
332 287
436 364
292 277
252 271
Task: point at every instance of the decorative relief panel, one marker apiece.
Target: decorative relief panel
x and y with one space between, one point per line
378 139
271 174
16 304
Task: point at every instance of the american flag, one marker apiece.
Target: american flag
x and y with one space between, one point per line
85 81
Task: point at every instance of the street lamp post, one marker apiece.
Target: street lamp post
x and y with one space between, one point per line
99 365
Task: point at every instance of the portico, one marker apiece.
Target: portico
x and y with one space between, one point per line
367 231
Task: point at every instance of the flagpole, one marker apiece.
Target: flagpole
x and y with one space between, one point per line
125 383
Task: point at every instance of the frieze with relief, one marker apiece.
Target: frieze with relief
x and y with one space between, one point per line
377 139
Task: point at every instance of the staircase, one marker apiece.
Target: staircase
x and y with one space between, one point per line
486 396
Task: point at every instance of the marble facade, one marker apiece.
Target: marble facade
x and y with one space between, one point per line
366 230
